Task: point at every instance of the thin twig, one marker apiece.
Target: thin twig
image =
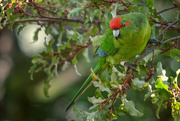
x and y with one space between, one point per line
80 48
167 28
164 26
172 7
143 1
108 99
124 4
127 79
173 38
148 51
168 40
93 5
47 5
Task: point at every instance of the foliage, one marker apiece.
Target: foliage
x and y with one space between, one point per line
110 100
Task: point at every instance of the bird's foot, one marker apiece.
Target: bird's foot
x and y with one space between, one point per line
153 40
131 66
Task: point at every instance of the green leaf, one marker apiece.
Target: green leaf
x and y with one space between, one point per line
60 37
65 65
150 3
115 85
120 75
55 61
86 55
53 31
161 72
153 31
76 70
95 30
61 32
97 39
73 35
47 81
141 8
177 74
149 56
95 12
31 70
131 8
175 54
175 106
112 116
62 46
113 11
174 81
80 114
159 69
36 34
9 13
139 83
76 11
74 62
160 85
94 100
20 28
130 1
5 2
49 47
159 104
92 116
163 89
150 94
95 107
35 61
130 107
120 110
117 76
40 1
47 85
101 87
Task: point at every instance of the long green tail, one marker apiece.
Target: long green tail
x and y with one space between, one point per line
88 80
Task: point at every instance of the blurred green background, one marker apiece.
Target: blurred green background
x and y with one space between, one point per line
22 99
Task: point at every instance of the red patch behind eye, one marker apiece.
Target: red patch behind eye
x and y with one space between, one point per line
128 23
115 23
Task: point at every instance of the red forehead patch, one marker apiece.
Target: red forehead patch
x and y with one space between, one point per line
115 23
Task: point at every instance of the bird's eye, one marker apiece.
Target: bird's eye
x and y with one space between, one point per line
123 24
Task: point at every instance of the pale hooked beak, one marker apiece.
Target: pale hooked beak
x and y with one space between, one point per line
116 33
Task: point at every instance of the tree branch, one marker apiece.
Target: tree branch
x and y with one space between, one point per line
166 9
173 38
53 19
167 28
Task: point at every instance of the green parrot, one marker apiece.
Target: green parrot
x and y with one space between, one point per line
127 36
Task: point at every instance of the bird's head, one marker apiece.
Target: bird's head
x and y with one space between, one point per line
116 25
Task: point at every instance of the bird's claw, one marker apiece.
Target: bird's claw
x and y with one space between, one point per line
131 66
153 40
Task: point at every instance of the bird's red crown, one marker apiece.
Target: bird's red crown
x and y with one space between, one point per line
115 23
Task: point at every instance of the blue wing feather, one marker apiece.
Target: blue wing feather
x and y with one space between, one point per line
101 53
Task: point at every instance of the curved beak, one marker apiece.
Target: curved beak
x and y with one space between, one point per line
116 33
